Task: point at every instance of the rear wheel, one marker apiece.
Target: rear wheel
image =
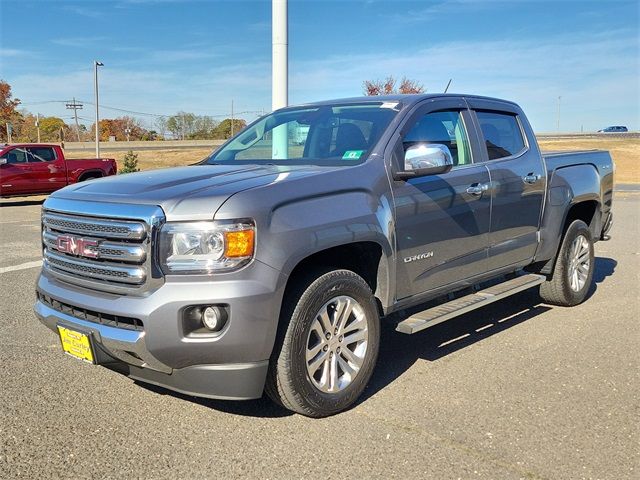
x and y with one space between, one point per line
329 349
573 272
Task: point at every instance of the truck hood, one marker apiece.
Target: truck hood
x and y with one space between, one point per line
184 193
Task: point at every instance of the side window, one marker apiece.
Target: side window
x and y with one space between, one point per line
42 154
16 156
444 128
502 134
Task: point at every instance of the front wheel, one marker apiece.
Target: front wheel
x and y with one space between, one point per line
327 354
573 272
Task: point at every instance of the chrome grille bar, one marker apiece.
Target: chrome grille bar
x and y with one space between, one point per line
94 227
133 275
123 252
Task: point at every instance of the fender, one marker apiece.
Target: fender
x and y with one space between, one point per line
296 219
360 218
568 186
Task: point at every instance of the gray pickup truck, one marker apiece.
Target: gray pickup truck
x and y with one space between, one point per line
269 266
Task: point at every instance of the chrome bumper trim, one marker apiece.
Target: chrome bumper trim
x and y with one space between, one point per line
119 343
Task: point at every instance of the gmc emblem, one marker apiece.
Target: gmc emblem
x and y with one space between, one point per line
80 247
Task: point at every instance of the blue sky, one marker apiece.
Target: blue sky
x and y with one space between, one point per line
162 56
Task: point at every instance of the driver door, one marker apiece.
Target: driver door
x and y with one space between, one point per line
442 221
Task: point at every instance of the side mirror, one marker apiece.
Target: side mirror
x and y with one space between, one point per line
426 159
3 161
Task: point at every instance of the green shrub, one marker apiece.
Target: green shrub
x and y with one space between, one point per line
130 163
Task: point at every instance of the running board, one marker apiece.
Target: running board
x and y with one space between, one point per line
433 316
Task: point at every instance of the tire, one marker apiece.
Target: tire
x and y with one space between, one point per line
337 372
573 272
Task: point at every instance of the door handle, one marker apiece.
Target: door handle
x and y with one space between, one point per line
477 189
531 178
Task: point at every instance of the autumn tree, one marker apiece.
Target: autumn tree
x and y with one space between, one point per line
203 128
223 130
26 131
8 112
50 128
388 86
118 128
181 124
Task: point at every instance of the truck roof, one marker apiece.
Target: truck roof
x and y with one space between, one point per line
407 99
30 145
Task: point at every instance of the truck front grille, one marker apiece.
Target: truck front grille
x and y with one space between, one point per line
102 253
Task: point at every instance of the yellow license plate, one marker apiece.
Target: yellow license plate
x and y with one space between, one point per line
76 344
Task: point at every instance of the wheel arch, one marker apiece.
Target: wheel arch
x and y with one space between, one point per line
90 174
573 194
366 258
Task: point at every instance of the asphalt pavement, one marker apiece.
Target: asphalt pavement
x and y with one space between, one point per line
518 389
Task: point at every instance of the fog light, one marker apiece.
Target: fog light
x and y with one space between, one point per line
212 318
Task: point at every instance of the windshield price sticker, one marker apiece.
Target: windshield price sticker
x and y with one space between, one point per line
352 154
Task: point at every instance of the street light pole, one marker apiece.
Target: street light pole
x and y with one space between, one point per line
280 74
559 99
97 64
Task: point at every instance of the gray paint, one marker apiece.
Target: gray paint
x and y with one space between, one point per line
302 210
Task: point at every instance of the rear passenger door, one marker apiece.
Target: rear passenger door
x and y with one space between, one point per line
47 172
518 182
442 221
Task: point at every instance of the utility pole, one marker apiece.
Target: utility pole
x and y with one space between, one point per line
559 99
280 73
38 126
9 132
75 106
232 120
97 64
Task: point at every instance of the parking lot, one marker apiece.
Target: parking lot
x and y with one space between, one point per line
517 389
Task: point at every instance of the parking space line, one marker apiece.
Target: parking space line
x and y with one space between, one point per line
22 266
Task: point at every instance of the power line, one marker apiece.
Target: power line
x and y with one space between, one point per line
146 114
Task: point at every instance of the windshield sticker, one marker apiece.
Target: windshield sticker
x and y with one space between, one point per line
352 154
391 105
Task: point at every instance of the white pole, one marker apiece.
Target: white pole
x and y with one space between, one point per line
38 126
97 64
280 74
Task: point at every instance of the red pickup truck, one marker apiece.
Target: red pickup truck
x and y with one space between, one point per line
36 168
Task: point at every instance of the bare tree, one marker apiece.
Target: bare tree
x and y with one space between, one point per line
388 86
161 124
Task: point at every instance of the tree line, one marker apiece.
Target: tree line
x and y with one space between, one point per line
182 126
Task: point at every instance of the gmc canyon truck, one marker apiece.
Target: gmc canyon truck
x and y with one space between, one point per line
38 169
269 266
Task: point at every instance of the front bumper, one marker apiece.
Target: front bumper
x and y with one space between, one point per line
230 365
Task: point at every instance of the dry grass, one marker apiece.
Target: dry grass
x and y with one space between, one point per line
153 159
625 153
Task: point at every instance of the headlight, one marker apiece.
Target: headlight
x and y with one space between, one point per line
205 247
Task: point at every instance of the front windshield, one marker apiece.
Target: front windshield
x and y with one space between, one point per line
341 134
